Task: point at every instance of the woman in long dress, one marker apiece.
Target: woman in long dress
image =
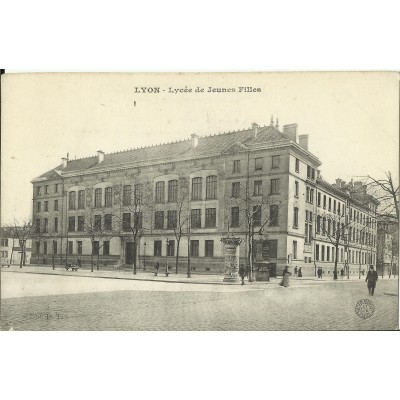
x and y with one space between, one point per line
285 279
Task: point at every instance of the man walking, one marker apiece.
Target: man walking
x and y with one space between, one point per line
372 277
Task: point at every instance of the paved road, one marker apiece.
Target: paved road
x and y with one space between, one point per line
49 302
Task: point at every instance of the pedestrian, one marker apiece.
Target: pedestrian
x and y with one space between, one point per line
242 272
342 273
363 272
372 277
295 271
285 277
299 273
319 272
157 267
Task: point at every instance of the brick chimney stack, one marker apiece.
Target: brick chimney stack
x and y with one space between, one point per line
195 139
255 127
291 132
100 156
64 162
303 141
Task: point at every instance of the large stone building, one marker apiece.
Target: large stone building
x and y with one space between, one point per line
260 183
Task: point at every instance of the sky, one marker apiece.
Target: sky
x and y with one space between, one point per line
352 119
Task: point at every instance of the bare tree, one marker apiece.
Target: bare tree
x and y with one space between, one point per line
256 209
22 232
135 202
386 191
179 218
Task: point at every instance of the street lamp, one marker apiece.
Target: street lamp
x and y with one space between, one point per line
144 256
166 267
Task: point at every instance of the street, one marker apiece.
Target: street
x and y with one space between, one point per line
58 302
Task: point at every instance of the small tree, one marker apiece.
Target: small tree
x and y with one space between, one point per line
135 202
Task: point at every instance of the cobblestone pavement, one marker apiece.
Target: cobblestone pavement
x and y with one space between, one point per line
49 302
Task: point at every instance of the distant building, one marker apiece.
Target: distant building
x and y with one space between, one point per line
10 249
215 182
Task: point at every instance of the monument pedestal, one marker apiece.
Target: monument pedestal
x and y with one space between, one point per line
231 246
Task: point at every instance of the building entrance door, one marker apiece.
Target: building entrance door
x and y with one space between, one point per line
129 252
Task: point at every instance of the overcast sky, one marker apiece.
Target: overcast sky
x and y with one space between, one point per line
351 118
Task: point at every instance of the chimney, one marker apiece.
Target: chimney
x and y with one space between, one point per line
255 127
290 131
64 161
195 140
303 141
338 183
100 156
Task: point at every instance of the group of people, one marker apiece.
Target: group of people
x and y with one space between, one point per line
297 272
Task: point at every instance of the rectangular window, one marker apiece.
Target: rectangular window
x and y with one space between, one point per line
211 217
297 165
235 189
54 246
172 216
56 224
138 193
196 218
209 244
173 190
274 186
37 225
258 164
38 190
37 247
235 217
56 188
38 206
157 248
127 195
324 201
44 247
295 217
236 166
194 248
160 192
106 248
81 199
79 244
311 195
296 189
328 249
108 197
257 215
196 189
294 250
319 199
97 222
46 189
138 220
126 222
81 223
70 247
159 220
329 204
318 224
96 247
46 206
71 200
276 160
257 188
71 224
171 248
108 222
317 252
322 253
55 205
211 187
97 197
274 215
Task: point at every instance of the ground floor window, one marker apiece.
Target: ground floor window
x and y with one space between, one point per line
79 244
194 248
171 248
157 248
45 247
54 247
106 248
209 248
70 247
96 247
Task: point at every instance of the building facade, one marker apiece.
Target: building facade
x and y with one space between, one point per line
387 246
151 204
10 249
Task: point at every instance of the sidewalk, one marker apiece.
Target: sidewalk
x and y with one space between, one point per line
172 277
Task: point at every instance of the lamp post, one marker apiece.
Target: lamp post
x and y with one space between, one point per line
144 257
166 267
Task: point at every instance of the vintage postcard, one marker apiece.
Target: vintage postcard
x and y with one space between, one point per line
200 201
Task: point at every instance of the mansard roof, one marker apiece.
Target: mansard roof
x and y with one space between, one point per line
208 146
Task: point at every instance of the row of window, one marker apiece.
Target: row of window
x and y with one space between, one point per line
361 218
330 203
329 255
256 216
4 242
46 206
79 246
258 164
46 189
257 186
194 248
